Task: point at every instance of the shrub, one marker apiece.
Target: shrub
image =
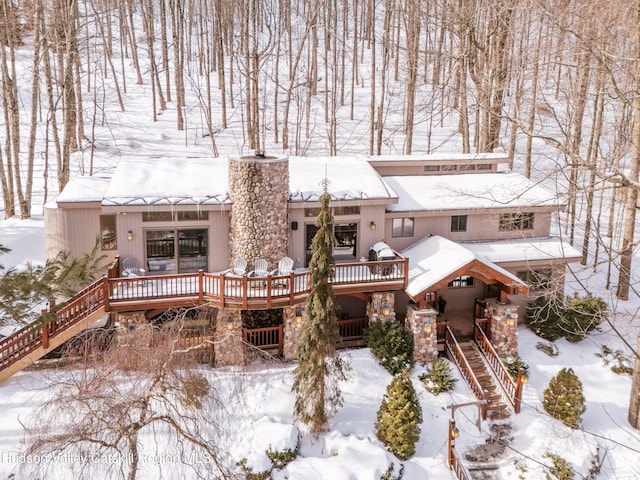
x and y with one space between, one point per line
399 417
547 347
513 364
438 377
560 468
556 317
622 364
563 398
388 474
392 344
281 459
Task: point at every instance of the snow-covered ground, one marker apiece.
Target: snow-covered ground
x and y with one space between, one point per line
260 404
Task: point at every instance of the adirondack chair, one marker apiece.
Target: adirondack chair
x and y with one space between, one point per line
285 265
260 268
239 268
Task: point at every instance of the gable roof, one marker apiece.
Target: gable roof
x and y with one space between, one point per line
435 261
525 249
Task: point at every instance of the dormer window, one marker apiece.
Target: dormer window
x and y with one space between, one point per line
516 221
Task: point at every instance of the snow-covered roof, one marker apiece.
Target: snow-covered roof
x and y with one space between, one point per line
350 178
84 189
524 249
168 181
204 181
468 191
449 157
435 258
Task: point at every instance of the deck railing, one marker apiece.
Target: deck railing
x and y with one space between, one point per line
498 369
455 464
265 338
352 329
455 353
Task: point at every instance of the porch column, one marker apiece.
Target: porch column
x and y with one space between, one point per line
504 327
294 318
228 347
382 307
422 324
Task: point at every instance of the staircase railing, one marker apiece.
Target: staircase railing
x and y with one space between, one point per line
512 390
37 334
455 353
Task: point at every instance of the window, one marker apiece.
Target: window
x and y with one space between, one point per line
181 250
536 279
157 216
449 168
458 223
311 212
484 166
402 227
467 167
346 236
516 221
191 216
461 282
351 210
108 232
432 168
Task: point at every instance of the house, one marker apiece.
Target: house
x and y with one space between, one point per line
467 239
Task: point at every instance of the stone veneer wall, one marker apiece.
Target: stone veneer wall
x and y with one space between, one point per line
229 347
292 330
425 344
504 337
374 308
259 190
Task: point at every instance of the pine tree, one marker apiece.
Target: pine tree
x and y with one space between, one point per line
319 368
399 417
563 398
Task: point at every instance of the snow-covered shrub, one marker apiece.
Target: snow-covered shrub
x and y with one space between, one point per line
547 347
563 398
438 377
392 344
399 417
515 363
555 317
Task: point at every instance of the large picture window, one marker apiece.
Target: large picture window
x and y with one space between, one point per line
182 250
516 221
461 282
346 235
536 279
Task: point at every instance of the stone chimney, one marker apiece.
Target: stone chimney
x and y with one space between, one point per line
259 190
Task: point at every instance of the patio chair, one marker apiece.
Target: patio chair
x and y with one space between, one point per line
260 268
239 268
285 265
130 268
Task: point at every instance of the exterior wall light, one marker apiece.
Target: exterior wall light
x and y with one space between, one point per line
130 235
230 323
510 320
385 310
427 326
298 316
372 225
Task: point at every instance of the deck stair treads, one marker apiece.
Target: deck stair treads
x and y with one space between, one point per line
497 408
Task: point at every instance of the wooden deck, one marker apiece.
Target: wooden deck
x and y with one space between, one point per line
115 294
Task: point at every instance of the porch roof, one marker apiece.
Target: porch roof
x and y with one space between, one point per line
468 192
525 250
435 261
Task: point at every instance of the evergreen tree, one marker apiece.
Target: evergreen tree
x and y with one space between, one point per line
399 417
319 368
563 398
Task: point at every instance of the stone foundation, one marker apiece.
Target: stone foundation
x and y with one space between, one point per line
377 304
504 327
422 324
130 320
229 347
292 330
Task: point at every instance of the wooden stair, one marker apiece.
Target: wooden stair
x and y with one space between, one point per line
497 408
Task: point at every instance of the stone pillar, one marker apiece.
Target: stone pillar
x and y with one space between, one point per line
228 347
504 327
259 191
379 302
293 329
422 324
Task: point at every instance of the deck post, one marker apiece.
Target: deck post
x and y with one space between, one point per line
517 402
105 293
200 287
45 330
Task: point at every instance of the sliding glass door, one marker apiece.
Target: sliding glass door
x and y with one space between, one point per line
179 251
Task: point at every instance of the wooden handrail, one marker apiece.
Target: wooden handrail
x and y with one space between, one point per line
352 328
455 353
500 372
265 337
455 464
